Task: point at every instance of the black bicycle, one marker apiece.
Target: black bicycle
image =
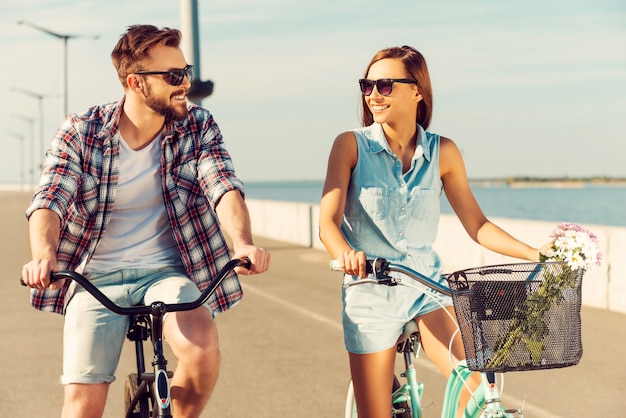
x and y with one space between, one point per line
147 394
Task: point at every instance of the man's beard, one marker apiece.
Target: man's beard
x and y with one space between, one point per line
164 108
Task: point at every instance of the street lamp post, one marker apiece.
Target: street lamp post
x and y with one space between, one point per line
39 98
33 146
64 38
191 48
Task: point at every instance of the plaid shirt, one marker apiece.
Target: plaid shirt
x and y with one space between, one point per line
79 181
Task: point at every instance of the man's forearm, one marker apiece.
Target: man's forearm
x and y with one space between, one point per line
44 227
234 218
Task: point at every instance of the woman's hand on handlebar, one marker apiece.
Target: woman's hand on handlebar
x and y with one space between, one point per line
259 259
36 274
353 262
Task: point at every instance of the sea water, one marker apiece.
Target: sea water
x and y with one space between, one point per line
587 204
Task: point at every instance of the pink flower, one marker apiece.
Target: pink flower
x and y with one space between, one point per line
575 245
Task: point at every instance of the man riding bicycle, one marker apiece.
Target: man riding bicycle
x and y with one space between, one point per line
135 196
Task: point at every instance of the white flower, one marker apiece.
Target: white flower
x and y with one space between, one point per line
575 246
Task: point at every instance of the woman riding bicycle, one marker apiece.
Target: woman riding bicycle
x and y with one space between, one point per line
381 198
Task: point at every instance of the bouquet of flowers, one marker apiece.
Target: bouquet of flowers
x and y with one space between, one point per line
574 245
577 248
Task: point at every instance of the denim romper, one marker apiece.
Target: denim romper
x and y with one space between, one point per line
392 215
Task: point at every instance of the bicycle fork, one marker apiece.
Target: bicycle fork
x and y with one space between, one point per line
159 363
150 386
492 406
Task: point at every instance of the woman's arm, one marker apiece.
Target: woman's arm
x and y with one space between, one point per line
341 162
462 200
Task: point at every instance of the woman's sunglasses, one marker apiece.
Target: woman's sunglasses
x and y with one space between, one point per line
384 85
175 76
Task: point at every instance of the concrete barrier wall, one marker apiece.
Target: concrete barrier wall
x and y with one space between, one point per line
604 287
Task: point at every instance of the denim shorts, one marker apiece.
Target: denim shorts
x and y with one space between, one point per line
374 315
93 336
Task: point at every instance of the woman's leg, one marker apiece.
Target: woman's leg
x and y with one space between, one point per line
372 377
436 329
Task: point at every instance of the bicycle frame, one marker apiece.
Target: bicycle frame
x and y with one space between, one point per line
146 321
488 393
412 390
139 331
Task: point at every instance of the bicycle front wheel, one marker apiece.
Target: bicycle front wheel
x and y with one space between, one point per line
350 410
400 409
141 409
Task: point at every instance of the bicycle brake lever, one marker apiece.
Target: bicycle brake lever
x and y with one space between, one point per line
390 281
360 281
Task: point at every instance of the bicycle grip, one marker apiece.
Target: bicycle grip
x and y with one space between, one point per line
335 265
53 278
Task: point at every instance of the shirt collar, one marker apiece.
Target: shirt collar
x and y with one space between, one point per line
380 143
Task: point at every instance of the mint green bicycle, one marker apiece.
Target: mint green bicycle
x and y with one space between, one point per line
499 310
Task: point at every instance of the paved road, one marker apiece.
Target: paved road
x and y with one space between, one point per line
282 348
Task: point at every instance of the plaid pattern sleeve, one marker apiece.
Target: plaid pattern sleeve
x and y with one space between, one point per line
197 172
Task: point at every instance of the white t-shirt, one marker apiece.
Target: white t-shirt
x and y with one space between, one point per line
138 234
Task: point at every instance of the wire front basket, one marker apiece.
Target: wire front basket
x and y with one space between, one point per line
517 317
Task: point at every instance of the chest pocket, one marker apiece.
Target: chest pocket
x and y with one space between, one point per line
424 204
185 178
86 201
376 202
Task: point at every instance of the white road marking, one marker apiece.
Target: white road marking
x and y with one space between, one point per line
327 321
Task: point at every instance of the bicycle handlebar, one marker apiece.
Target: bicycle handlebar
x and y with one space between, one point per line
381 268
157 305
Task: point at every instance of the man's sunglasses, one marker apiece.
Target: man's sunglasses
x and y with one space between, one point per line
384 85
175 76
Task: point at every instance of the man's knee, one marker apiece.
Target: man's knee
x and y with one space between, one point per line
85 400
193 335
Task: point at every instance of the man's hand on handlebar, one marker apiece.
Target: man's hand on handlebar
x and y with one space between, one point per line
36 274
259 259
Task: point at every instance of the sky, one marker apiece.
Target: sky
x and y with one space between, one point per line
532 88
